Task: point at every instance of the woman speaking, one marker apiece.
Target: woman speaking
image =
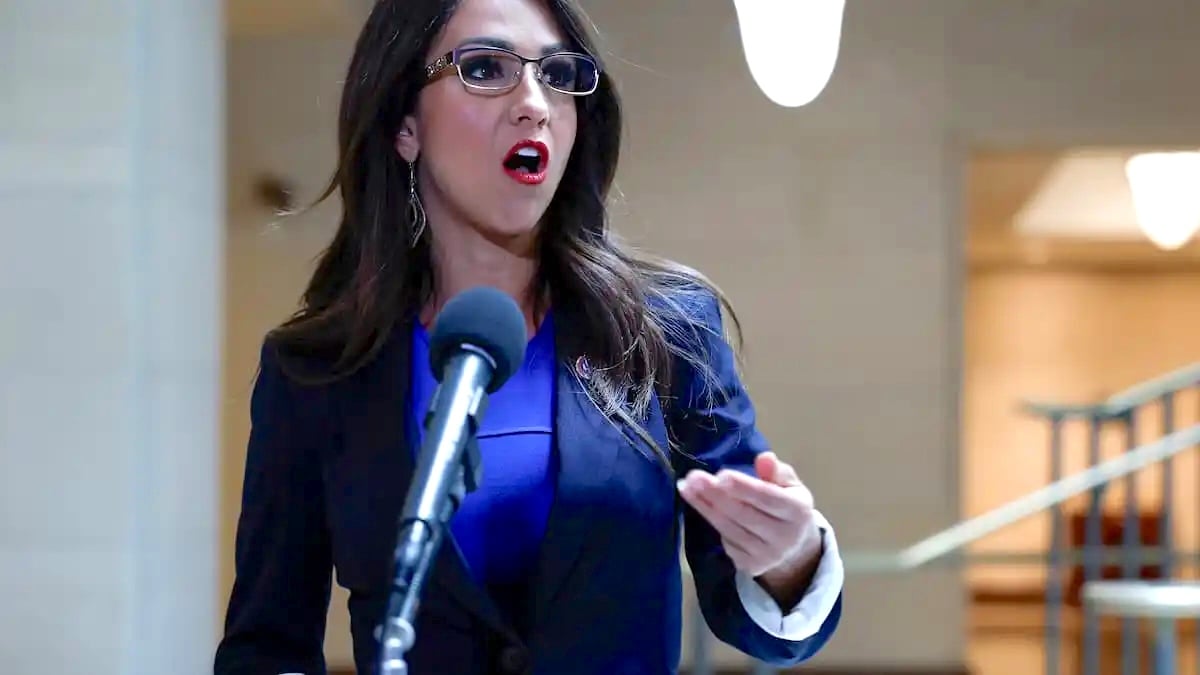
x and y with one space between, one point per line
478 140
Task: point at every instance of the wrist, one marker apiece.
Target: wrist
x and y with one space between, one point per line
787 582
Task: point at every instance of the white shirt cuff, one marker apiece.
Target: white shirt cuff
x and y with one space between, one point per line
807 617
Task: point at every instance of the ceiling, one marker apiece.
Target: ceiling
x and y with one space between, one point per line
1000 183
1066 206
263 18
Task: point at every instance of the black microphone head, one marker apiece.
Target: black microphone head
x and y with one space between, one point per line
487 319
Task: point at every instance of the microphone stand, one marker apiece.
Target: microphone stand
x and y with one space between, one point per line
450 447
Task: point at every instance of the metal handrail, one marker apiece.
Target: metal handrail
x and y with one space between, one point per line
1101 555
1125 401
973 529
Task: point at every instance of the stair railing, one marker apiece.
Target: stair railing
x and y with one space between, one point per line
1128 598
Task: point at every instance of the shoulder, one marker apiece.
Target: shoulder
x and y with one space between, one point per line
311 359
320 380
690 315
287 384
702 355
298 382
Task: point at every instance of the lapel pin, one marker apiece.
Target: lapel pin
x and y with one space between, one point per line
583 368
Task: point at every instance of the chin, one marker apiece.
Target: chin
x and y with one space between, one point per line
516 224
507 232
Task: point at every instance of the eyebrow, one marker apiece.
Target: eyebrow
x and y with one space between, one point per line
505 44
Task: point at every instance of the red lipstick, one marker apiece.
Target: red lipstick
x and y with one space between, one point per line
526 162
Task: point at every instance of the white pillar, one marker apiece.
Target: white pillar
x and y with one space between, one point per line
111 241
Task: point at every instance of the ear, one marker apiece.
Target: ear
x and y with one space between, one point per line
407 142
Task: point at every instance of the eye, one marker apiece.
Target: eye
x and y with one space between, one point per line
570 73
561 72
488 67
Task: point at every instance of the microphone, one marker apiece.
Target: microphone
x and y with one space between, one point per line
477 343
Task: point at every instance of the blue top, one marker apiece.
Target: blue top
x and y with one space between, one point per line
499 527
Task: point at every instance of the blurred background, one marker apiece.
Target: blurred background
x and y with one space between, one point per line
946 234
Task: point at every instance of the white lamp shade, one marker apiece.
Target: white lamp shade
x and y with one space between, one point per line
1165 187
791 46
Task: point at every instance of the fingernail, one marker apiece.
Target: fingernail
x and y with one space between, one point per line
681 485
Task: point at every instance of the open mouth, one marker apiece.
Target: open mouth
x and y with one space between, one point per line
526 162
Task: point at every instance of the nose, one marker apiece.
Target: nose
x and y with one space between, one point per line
530 104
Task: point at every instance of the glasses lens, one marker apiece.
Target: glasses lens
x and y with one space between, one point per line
489 69
570 73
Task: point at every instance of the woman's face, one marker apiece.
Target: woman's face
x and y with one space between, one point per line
467 142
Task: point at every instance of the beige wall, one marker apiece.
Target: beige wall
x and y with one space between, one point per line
282 103
836 228
1070 337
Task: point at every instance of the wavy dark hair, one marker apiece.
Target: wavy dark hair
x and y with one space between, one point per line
627 311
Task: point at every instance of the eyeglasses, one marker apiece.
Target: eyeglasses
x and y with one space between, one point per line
491 70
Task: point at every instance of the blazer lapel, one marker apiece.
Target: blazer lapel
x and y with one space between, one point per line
588 445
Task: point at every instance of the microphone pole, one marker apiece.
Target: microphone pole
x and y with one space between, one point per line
476 345
450 466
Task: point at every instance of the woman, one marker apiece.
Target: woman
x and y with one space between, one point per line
478 141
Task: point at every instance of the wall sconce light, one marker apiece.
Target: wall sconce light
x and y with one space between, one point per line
1165 187
791 46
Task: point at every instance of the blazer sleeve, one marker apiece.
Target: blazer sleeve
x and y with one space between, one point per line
712 420
275 622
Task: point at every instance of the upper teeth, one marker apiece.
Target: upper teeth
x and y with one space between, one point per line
529 152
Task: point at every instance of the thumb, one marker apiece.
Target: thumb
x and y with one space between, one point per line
770 468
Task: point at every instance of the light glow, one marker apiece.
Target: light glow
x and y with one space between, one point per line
1165 187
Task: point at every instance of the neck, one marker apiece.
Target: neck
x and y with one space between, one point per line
464 258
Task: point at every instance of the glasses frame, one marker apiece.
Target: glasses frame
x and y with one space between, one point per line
450 60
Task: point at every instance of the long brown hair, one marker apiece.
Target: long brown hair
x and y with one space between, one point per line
627 311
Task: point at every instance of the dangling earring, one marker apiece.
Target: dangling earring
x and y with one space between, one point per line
416 211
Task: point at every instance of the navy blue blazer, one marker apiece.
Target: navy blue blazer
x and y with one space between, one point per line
327 470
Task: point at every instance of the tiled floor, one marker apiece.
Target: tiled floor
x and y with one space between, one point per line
1008 640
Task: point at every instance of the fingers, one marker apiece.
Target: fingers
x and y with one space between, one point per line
741 524
733 502
783 503
743 559
760 523
746 548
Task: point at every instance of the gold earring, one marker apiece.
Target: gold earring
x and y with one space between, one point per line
416 211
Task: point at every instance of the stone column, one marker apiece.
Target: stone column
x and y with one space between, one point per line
111 242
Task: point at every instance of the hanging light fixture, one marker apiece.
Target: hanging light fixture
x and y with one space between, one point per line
1165 187
791 46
